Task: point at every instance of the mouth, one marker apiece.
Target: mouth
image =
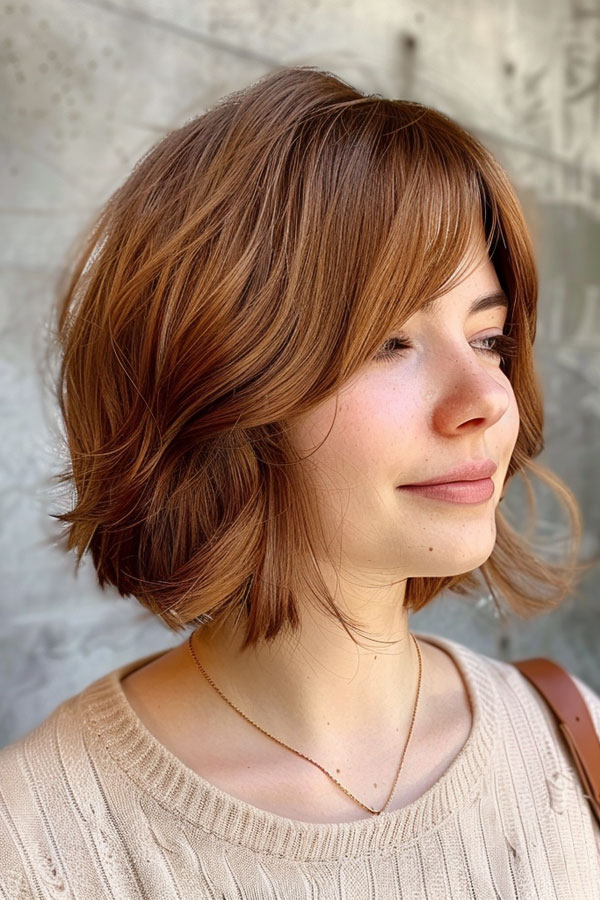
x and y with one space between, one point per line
467 492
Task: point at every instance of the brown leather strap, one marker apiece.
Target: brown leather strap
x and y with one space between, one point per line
574 720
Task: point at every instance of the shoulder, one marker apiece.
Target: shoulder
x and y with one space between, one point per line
507 678
55 788
533 744
513 683
32 794
591 698
519 709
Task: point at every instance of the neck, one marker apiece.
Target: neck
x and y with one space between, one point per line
319 691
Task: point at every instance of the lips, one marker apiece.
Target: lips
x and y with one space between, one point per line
471 470
463 492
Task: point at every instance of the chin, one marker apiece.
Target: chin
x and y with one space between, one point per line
446 565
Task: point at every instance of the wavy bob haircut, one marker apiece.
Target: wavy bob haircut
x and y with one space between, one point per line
252 262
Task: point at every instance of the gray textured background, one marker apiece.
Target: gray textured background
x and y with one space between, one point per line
89 85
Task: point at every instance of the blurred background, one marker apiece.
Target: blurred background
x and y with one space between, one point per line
87 86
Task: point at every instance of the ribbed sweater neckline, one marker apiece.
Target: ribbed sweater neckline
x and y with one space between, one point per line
110 721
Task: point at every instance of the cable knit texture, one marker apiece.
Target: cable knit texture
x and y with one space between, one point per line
93 806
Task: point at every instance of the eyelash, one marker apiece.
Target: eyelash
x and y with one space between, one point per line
505 346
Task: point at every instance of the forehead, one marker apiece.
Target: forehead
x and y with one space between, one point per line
487 301
476 260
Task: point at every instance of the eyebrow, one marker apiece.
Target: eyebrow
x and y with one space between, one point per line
487 301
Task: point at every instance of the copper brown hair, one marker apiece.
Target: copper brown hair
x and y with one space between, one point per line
253 261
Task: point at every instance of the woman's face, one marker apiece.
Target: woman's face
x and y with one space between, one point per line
441 402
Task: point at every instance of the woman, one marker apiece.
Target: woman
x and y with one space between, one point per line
296 309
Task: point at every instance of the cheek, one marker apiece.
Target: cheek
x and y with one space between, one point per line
366 433
358 439
377 430
345 448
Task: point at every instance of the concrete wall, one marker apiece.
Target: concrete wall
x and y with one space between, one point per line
88 86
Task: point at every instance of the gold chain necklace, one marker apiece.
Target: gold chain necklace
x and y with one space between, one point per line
298 753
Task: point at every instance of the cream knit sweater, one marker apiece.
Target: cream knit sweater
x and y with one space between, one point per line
93 806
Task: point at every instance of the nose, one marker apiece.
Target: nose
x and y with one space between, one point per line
471 395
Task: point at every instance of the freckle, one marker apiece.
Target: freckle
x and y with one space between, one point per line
328 723
374 657
338 771
374 785
430 549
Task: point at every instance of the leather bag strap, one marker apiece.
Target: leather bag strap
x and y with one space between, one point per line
574 720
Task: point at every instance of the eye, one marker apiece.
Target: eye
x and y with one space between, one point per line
503 347
393 348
